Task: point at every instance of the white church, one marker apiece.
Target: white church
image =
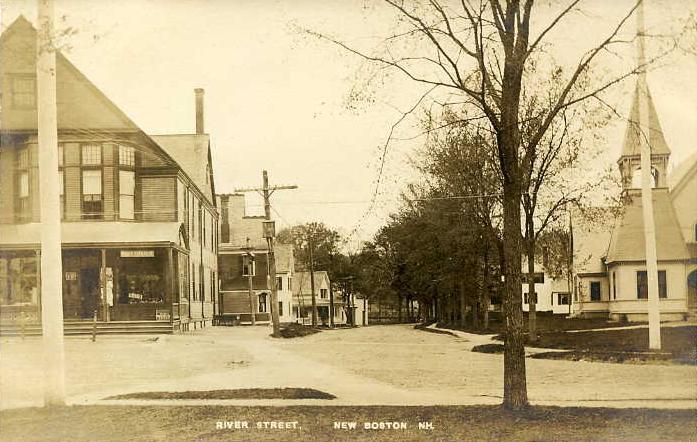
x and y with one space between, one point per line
609 267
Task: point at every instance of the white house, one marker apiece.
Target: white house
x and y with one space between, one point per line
552 293
302 299
284 281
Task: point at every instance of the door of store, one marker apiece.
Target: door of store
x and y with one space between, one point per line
89 291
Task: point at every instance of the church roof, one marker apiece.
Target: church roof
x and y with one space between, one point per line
632 145
592 230
627 242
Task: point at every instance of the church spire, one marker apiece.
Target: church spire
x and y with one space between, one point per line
643 126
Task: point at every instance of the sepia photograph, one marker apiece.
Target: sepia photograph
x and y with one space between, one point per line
369 220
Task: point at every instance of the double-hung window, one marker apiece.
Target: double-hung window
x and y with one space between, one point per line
92 192
24 92
23 202
642 284
595 291
127 182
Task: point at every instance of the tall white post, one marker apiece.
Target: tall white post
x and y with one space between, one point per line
647 193
51 266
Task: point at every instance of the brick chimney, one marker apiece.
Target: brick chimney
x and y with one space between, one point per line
199 110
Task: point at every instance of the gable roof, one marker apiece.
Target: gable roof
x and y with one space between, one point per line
591 231
632 136
627 243
192 153
83 107
80 104
302 284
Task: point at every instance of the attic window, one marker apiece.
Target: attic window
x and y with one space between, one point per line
24 92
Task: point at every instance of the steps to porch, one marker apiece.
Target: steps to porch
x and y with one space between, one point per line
77 328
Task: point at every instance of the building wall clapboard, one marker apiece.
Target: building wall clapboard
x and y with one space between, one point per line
7 159
158 198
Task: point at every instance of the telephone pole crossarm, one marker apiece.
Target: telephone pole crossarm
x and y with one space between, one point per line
266 191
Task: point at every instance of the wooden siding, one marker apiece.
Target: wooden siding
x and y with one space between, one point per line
7 184
230 272
152 158
237 302
34 200
109 185
71 177
158 196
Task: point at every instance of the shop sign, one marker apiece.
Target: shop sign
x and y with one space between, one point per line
137 253
71 276
162 315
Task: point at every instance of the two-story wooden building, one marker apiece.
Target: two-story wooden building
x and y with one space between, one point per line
139 221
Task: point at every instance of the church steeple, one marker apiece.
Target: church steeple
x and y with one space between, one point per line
642 126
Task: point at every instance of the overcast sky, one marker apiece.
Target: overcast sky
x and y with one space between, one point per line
277 99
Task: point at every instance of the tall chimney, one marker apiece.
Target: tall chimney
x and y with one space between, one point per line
199 110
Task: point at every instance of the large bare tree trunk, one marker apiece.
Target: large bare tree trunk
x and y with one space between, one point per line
515 394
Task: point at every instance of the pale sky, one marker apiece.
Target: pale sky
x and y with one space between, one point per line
276 99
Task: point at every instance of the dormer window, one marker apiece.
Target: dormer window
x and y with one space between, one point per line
92 192
127 156
24 92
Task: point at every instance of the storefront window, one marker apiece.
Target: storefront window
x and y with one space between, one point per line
18 281
140 278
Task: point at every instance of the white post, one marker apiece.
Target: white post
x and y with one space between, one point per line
51 266
647 195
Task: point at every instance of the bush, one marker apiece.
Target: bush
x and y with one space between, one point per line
488 348
294 330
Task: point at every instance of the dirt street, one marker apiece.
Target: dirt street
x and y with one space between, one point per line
376 365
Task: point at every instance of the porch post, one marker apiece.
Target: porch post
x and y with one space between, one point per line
170 279
102 278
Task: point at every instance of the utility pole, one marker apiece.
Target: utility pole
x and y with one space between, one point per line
51 261
266 191
331 293
653 302
311 245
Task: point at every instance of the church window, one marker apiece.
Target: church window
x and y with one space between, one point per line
595 290
643 284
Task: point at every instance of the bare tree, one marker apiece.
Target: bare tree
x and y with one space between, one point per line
480 55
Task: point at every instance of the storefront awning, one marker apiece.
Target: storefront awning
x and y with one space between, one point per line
93 233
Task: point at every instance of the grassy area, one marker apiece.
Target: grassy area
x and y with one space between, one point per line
678 344
294 330
240 393
546 321
425 328
479 423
